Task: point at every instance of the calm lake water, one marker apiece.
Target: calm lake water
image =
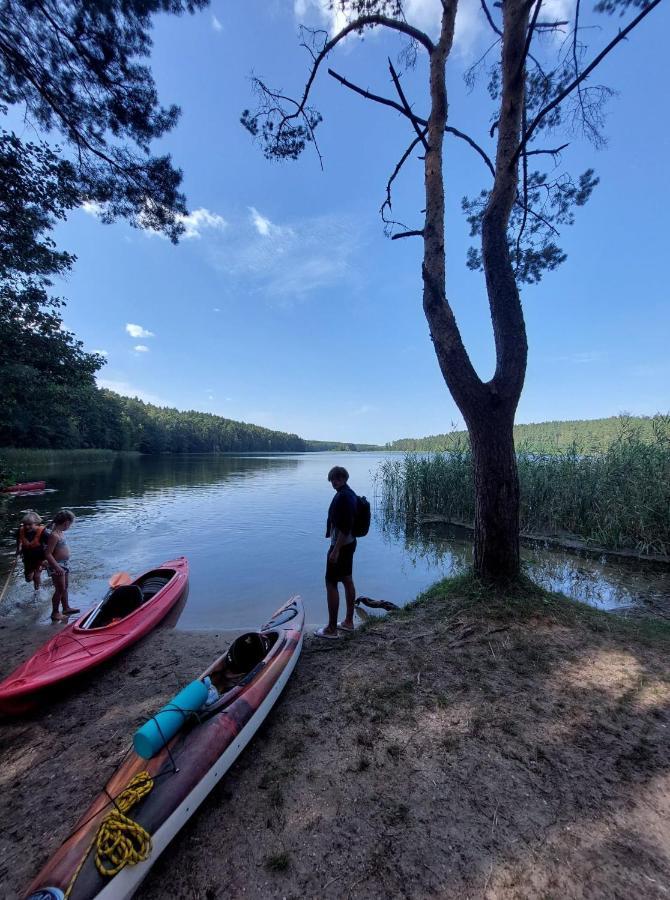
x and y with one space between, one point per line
253 529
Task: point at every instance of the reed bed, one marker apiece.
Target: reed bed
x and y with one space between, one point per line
618 498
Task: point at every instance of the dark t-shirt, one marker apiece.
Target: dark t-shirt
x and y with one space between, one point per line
341 513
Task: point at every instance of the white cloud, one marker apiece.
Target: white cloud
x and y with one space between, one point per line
290 261
199 220
216 25
423 14
100 352
92 208
137 331
141 348
129 390
194 223
216 309
264 226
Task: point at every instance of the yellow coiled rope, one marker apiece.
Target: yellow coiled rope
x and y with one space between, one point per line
120 841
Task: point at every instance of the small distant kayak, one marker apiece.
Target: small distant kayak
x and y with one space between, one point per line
123 616
25 487
169 787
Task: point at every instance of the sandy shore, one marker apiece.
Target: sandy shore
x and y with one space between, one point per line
436 753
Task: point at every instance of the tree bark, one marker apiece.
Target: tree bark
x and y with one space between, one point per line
496 556
488 408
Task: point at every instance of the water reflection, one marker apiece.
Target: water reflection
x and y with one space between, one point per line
625 587
252 528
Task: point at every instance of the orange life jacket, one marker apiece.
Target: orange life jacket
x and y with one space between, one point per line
34 543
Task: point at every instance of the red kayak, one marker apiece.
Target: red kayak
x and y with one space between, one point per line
25 487
123 616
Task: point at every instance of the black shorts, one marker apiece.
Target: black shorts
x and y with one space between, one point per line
32 560
344 565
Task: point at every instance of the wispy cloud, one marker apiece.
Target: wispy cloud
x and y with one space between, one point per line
265 227
216 25
289 261
200 220
128 390
137 331
141 348
584 357
100 352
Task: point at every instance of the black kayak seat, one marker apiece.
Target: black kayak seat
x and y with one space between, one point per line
246 652
122 601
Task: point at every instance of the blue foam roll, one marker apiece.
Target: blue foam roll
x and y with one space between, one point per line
154 734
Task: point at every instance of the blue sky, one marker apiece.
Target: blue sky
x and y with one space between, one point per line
286 306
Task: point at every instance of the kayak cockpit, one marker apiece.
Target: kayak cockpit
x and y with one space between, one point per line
243 656
120 602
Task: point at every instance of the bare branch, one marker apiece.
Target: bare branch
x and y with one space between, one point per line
358 25
475 146
531 29
396 171
584 75
370 96
408 109
404 234
488 15
414 118
553 152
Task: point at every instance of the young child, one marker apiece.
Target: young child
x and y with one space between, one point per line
58 564
30 545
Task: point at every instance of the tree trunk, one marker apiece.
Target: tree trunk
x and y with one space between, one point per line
496 497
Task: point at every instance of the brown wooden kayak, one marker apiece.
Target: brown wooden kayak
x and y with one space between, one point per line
249 678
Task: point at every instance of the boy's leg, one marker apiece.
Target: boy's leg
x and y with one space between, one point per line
350 594
333 597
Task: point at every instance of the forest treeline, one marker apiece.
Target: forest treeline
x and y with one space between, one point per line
587 435
92 417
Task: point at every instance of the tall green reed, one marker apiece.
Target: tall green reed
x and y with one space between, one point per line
618 498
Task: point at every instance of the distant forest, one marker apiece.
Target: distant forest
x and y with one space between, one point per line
547 437
91 417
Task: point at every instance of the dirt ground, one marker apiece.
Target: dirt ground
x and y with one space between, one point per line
436 753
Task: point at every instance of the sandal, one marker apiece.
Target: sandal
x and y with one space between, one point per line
343 627
322 633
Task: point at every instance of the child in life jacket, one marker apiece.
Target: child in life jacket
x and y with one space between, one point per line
30 545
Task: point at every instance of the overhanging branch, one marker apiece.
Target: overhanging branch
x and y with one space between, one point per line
584 75
408 109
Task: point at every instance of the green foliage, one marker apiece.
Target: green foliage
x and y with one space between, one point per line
91 417
590 435
77 68
617 497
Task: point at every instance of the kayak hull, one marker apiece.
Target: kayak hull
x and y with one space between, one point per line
25 487
76 650
202 755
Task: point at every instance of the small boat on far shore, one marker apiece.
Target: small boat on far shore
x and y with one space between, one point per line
124 615
25 487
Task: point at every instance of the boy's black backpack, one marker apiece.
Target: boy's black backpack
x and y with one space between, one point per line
362 517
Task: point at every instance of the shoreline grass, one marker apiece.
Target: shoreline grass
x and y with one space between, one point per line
20 464
618 499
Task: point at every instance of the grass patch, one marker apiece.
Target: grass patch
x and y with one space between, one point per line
26 463
522 600
278 862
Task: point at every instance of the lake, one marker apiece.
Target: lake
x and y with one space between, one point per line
253 530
